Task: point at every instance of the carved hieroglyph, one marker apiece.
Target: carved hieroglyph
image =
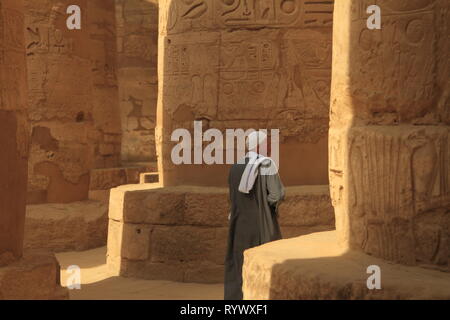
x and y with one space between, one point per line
246 64
389 136
137 48
73 97
13 130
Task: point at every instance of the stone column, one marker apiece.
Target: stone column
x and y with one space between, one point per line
389 137
13 130
246 64
389 157
30 275
137 59
73 93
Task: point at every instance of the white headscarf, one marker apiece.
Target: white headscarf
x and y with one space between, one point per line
255 160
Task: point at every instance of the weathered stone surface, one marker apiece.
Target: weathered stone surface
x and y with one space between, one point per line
306 206
13 128
159 207
149 177
206 209
246 65
194 272
188 205
137 47
188 228
182 244
129 241
33 277
66 227
99 195
389 139
73 95
105 179
316 267
389 166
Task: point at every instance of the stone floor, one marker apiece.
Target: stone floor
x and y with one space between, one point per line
96 284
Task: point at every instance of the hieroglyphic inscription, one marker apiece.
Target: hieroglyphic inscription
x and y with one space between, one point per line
48 40
191 72
253 12
274 13
248 78
180 15
406 173
403 48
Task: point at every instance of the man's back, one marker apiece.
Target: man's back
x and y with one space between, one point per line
252 222
244 210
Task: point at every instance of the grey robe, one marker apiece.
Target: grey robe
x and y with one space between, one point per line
253 222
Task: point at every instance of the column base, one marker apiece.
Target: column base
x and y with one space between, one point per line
180 233
34 277
315 267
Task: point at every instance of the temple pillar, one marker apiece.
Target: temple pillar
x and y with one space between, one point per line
389 135
29 275
389 166
14 130
245 65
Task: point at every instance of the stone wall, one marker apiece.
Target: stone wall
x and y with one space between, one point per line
389 136
246 64
137 48
13 130
180 233
73 97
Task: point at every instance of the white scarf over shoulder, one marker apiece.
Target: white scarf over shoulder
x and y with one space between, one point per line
251 171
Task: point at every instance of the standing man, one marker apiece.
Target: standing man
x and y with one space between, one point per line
255 192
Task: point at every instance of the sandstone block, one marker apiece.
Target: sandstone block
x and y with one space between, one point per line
181 243
316 267
306 206
160 207
207 209
105 179
99 195
34 277
149 178
65 227
129 241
